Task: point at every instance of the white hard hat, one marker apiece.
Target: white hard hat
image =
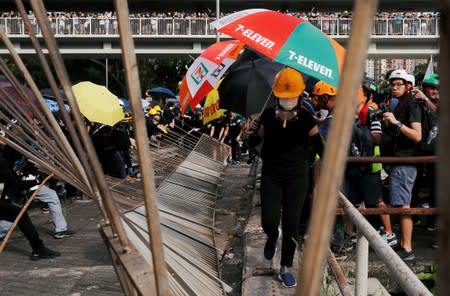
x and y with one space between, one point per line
412 79
402 74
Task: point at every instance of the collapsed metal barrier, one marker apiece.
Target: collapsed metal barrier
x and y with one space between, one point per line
186 200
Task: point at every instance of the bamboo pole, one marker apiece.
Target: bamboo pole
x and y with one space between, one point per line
86 173
22 211
443 165
146 167
332 171
41 17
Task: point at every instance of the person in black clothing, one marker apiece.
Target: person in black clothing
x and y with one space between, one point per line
154 124
404 128
9 212
287 130
112 145
232 137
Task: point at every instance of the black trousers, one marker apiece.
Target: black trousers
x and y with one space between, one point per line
9 212
282 198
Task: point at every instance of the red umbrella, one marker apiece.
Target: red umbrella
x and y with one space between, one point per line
206 71
288 40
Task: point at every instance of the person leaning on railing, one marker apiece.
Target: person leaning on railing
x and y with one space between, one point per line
167 23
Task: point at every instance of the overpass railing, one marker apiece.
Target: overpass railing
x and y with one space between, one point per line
78 26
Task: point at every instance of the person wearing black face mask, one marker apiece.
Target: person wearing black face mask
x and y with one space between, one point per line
288 131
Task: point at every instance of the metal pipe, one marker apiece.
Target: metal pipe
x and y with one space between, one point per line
402 273
443 166
391 159
362 265
217 17
392 211
341 280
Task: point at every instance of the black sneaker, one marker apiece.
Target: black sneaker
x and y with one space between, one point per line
44 253
406 256
269 249
63 234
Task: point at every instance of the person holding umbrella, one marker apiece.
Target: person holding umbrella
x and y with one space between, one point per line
288 131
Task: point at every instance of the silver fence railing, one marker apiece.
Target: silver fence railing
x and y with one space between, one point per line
79 26
367 235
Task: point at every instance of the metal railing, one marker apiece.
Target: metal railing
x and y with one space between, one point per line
368 235
79 26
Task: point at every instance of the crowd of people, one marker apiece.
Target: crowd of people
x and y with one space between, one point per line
197 23
290 137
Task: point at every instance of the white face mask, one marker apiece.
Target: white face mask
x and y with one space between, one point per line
288 104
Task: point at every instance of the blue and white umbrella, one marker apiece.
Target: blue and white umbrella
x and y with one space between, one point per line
53 105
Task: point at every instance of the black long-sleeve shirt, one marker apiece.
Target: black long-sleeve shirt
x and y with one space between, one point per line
11 180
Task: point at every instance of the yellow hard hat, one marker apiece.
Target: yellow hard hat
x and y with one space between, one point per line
127 116
288 84
322 87
361 95
157 108
152 111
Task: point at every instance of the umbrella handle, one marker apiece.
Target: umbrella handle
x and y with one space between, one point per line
265 103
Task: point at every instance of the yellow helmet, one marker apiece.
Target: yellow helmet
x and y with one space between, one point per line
288 84
152 111
322 87
157 108
361 95
127 116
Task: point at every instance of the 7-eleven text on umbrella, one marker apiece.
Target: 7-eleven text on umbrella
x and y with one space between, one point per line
310 64
258 38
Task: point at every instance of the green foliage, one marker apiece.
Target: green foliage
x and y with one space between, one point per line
419 72
162 72
167 72
430 278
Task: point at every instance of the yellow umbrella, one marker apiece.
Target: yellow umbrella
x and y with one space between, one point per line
97 103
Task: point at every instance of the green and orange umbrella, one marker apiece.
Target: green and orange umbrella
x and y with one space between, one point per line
288 40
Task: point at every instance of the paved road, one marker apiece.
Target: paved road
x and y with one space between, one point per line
84 267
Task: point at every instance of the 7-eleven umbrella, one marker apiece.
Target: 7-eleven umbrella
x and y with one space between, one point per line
206 71
288 40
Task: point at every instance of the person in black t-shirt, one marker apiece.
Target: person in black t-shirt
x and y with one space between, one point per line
404 126
287 129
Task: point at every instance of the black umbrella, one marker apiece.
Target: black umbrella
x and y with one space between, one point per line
48 93
247 88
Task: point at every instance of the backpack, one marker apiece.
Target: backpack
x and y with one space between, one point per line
427 146
362 144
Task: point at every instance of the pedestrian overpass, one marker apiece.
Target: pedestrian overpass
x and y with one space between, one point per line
171 37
